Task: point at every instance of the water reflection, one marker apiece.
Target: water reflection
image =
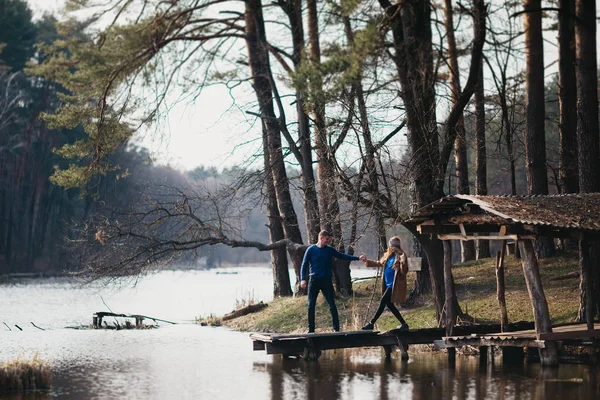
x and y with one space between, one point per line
348 374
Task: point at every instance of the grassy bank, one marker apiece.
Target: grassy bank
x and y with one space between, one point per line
25 375
476 290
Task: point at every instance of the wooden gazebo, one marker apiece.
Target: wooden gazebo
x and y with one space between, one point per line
521 219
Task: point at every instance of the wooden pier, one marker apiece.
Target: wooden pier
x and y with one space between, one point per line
310 345
513 343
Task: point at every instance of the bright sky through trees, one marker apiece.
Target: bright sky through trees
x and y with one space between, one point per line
211 131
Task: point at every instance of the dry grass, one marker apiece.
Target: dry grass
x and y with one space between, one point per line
25 375
476 291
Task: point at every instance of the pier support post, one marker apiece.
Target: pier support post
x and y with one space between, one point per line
483 353
451 357
541 315
549 355
512 355
311 352
491 356
388 352
403 349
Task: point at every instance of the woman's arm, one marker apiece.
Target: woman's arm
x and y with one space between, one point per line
404 264
373 264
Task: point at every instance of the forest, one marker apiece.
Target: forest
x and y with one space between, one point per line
364 111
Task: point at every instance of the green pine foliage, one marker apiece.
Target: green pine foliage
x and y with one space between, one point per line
102 90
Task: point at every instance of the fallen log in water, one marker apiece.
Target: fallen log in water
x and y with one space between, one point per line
139 319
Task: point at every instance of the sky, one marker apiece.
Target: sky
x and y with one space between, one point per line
213 131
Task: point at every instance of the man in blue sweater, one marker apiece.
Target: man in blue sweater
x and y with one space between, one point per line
320 258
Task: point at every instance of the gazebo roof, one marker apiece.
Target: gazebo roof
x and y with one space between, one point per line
544 215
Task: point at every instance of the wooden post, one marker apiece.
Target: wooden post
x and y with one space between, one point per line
388 352
311 352
450 311
500 287
541 315
403 349
587 277
95 321
491 356
512 355
483 353
451 357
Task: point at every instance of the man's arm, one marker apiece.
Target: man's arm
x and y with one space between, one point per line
304 267
344 256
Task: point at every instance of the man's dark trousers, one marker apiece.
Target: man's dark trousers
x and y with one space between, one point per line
326 287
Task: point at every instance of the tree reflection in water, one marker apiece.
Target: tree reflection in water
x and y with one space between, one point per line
365 374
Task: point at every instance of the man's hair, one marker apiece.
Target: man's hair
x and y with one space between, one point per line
324 233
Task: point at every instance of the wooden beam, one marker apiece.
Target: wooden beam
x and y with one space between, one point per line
569 335
451 236
446 343
500 287
541 315
450 311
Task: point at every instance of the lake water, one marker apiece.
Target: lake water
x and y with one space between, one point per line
188 361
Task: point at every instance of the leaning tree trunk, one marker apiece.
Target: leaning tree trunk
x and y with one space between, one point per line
258 57
460 144
535 141
293 9
588 136
483 246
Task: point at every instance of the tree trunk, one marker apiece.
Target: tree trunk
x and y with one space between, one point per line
535 140
568 174
460 144
293 9
587 98
587 133
410 24
33 226
483 246
279 260
327 184
423 281
260 69
567 98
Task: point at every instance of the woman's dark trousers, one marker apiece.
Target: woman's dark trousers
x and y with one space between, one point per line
386 301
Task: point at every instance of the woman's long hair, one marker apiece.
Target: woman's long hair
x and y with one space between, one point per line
389 252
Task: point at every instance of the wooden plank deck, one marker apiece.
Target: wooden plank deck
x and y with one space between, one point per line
310 345
577 334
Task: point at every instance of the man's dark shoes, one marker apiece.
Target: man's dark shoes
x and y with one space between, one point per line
368 327
402 327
